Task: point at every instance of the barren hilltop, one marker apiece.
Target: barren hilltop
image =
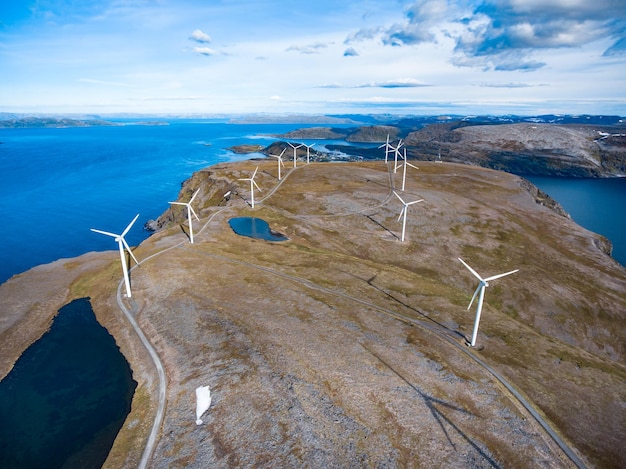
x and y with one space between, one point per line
523 148
345 347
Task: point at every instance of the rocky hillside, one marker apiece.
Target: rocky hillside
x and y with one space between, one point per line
344 346
528 148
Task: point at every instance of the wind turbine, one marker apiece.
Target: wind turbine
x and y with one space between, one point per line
189 212
294 152
406 163
481 287
388 148
123 244
252 184
396 151
404 211
280 160
308 148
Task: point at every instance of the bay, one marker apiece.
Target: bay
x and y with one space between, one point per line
597 204
56 184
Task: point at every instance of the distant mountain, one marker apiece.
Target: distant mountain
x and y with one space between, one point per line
56 122
573 146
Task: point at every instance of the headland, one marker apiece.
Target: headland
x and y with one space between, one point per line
344 344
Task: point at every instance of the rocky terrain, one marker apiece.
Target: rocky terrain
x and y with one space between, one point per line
525 148
344 347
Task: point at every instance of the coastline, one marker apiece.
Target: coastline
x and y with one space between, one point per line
96 275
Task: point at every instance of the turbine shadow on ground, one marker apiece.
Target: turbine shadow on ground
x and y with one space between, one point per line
370 217
432 404
370 282
184 230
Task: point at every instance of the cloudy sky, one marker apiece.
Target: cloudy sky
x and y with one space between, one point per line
292 56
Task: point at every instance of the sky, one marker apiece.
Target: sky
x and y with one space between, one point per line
424 57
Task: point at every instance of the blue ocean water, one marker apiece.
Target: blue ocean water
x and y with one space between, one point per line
56 184
66 398
596 204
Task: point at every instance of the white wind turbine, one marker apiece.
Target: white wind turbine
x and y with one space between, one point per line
396 151
388 148
404 211
406 163
294 151
252 184
308 150
190 211
122 244
483 283
280 161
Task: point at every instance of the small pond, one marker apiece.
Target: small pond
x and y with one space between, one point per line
255 228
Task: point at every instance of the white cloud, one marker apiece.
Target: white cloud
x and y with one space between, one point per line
205 51
200 36
308 49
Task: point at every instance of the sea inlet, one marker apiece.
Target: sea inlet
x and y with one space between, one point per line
67 396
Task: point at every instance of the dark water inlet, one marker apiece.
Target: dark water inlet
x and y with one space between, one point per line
66 398
255 228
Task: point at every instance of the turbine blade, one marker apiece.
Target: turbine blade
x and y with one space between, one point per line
129 226
256 185
401 212
399 197
415 202
129 251
283 152
474 297
194 213
501 275
471 270
409 164
104 232
254 174
177 203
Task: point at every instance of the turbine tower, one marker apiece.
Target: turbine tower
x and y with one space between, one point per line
406 163
280 161
294 151
123 244
388 148
483 283
189 212
404 211
252 184
308 148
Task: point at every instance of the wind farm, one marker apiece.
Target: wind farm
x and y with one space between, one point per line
292 337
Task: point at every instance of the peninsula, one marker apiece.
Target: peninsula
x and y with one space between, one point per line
345 346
